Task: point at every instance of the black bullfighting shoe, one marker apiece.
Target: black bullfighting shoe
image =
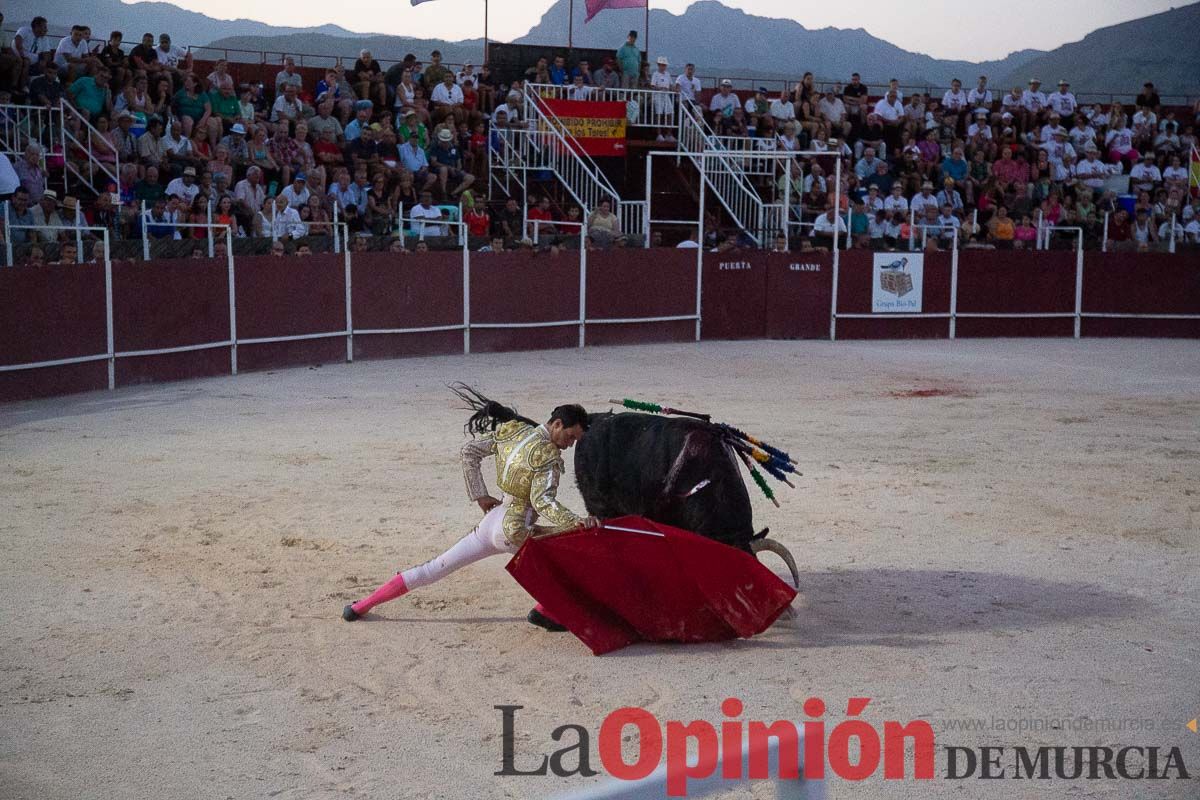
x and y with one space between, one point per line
542 621
349 614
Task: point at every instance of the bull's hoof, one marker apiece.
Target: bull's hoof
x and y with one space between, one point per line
542 621
349 614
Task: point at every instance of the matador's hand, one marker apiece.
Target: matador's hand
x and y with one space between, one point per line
487 503
591 523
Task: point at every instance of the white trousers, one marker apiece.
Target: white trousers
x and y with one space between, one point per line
487 539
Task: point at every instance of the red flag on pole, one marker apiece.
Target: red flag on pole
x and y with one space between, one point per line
594 7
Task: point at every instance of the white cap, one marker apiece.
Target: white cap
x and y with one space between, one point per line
662 61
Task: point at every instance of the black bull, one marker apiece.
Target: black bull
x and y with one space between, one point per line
673 470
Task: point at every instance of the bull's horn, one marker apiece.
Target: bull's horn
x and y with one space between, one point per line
778 549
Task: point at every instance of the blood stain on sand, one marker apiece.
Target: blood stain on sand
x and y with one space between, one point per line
937 391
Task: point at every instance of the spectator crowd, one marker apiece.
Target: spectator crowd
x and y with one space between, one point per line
408 147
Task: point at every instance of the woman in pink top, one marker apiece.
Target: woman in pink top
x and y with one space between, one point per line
1025 233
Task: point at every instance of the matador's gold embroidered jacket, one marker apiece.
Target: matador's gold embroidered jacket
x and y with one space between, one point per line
528 467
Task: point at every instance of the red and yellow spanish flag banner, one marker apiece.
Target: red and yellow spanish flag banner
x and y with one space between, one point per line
1194 173
598 127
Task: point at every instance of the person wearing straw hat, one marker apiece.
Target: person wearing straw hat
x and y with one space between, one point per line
1063 103
1033 103
446 162
665 87
45 215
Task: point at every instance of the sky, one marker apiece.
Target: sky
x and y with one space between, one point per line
953 29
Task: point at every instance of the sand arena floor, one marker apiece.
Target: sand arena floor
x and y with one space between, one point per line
1022 544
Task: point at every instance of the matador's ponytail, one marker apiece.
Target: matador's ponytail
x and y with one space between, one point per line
488 413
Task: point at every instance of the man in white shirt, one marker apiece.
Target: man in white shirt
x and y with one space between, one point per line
297 192
724 101
71 52
1082 134
1011 102
286 223
833 109
447 98
1033 103
825 227
1091 171
1145 177
925 199
1192 230
287 106
511 108
288 75
173 58
947 222
31 40
865 167
1063 102
427 210
955 99
980 96
889 109
688 83
578 90
661 81
783 110
896 200
185 187
980 126
1058 148
249 194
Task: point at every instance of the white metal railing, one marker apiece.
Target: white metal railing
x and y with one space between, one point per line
555 148
645 108
546 144
506 164
91 162
751 154
726 177
22 125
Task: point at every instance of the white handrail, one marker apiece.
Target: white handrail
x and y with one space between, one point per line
68 111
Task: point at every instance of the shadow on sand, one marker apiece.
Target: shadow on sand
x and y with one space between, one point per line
915 608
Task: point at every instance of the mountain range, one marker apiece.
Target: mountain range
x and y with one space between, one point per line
720 40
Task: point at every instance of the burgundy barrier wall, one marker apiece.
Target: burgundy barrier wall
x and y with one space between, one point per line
623 284
392 291
290 297
734 291
1148 283
799 291
761 295
995 282
855 281
170 304
524 287
48 313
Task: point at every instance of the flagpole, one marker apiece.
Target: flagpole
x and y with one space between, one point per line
485 31
571 25
647 30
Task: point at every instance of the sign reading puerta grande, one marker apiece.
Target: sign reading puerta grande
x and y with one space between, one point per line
598 127
897 280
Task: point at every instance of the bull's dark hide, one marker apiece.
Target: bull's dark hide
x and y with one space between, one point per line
630 464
